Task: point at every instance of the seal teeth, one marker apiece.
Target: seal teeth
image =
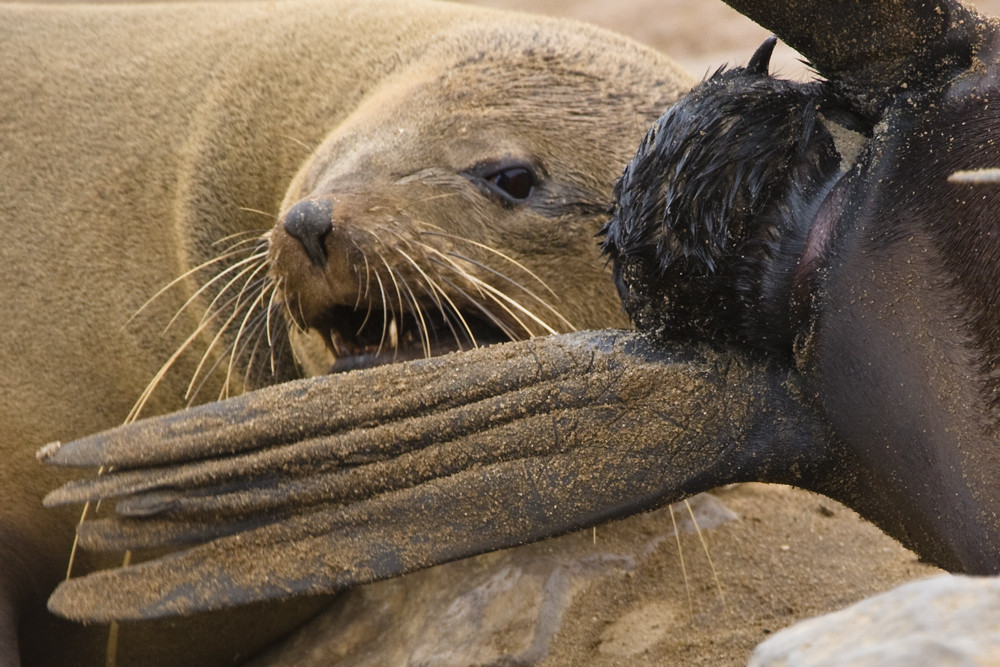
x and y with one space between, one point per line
393 334
337 345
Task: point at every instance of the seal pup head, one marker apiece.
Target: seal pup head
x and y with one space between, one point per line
713 213
457 206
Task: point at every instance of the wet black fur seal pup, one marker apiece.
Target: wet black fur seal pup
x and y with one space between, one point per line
869 373
838 274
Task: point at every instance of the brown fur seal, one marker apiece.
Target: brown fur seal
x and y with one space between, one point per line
135 140
878 388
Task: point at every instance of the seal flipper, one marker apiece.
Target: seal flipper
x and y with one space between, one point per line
873 49
627 424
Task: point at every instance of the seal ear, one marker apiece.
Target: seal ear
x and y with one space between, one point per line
762 56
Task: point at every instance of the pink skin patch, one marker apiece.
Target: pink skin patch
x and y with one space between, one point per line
815 248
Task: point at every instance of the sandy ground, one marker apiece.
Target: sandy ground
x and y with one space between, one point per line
701 35
698 34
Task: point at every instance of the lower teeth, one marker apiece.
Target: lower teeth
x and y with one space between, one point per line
393 334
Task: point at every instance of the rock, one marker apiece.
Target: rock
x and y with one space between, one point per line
944 620
619 595
500 608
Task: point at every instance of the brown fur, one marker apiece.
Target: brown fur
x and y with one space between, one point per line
134 138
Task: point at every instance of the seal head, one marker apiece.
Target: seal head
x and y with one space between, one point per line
714 211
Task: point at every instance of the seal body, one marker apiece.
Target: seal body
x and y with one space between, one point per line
875 282
902 354
134 139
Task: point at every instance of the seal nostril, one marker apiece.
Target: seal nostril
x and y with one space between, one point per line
310 221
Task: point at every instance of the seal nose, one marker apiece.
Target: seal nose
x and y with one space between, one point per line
309 221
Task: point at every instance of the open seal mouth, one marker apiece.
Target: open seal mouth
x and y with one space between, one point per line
386 289
362 338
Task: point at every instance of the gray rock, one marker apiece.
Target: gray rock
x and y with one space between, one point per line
502 608
944 620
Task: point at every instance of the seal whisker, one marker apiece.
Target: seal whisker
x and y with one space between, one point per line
246 237
483 246
424 200
368 278
307 147
518 285
429 290
251 264
704 546
236 344
680 556
364 321
457 313
399 296
357 279
254 333
257 332
499 274
148 391
270 216
422 331
200 372
490 315
271 306
982 176
503 301
499 297
206 320
173 283
450 264
234 305
385 312
416 267
393 276
235 302
240 267
476 282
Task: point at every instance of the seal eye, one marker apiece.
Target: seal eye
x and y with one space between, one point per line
515 183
